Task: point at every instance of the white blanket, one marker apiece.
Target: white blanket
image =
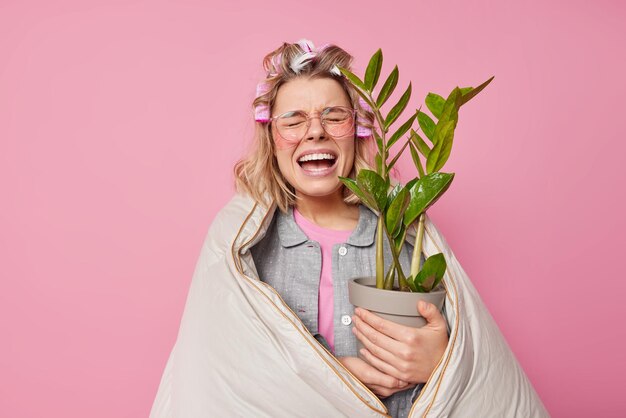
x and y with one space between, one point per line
241 351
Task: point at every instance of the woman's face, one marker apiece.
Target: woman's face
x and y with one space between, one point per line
312 165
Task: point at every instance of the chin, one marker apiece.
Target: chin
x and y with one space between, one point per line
319 190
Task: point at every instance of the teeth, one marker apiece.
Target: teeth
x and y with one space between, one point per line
313 157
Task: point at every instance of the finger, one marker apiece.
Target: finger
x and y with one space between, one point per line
383 366
380 340
376 336
431 314
373 376
377 351
395 331
380 391
383 392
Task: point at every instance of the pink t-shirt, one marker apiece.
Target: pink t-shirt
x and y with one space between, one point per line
326 238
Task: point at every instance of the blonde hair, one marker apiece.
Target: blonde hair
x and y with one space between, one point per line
258 173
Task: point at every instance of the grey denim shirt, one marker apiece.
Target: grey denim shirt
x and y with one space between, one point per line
291 263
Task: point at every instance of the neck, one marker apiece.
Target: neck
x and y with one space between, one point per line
328 211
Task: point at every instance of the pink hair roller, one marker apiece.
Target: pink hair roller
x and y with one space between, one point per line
362 131
276 63
364 105
262 111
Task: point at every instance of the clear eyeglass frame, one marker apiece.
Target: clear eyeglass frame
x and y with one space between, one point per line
334 131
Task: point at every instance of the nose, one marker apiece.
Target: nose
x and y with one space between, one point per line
316 129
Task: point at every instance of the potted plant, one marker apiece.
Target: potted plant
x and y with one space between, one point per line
393 294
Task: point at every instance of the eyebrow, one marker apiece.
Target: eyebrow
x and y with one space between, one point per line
304 111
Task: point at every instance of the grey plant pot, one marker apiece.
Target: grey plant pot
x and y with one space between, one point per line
396 306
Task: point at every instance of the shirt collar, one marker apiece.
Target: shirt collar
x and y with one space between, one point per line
290 234
365 231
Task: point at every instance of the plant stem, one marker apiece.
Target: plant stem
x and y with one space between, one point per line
383 157
416 260
401 243
389 279
402 283
380 257
382 228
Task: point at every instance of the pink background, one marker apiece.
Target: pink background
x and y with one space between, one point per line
120 122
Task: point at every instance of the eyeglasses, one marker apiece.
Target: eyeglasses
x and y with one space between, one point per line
337 121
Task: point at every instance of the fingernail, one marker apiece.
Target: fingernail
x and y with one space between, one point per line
423 305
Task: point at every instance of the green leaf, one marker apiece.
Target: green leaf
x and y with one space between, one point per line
444 132
395 212
360 86
379 163
393 193
354 79
393 162
373 70
416 159
441 151
367 99
352 185
424 193
409 280
399 238
434 102
415 287
401 131
420 144
374 187
379 142
450 110
397 110
467 96
388 87
432 272
427 125
411 183
465 90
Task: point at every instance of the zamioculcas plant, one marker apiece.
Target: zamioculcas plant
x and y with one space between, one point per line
403 206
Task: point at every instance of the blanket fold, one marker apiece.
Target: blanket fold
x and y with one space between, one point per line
241 351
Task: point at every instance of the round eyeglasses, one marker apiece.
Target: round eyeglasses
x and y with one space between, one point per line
337 121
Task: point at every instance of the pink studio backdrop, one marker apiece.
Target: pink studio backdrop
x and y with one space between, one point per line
120 122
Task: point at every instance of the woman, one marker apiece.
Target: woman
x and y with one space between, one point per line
303 162
268 329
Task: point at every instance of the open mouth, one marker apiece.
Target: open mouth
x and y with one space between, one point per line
317 161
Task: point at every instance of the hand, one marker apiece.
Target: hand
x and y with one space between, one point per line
381 384
406 353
